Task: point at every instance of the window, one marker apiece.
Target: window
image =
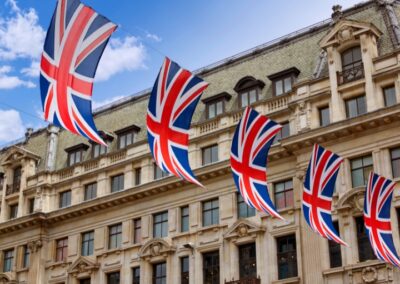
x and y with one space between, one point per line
244 210
138 175
360 168
160 273
352 66
17 174
114 236
283 133
185 219
8 260
65 199
284 194
84 281
185 270
210 154
127 136
98 150
158 173
248 89
335 254
26 256
87 243
287 257
137 231
113 278
365 251
31 205
117 183
75 154
136 275
90 191
215 108
355 107
247 261
395 158
210 212
389 94
248 97
62 249
324 118
211 268
160 225
13 211
282 82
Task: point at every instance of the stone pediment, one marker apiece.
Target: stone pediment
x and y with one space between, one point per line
243 228
16 154
4 279
352 200
346 30
156 248
83 265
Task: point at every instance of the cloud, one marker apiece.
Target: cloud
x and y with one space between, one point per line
11 126
33 70
21 36
97 104
154 37
8 82
121 55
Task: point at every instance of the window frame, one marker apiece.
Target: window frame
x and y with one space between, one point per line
157 277
68 200
117 242
138 176
122 135
363 168
282 133
247 92
213 211
212 159
102 150
247 265
159 173
358 108
335 250
288 254
285 193
26 256
61 246
72 154
184 269
87 245
385 98
365 251
111 274
135 275
212 257
120 183
90 191
395 159
321 116
185 219
163 223
13 211
353 63
8 260
137 230
250 211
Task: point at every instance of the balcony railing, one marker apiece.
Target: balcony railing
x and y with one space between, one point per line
248 280
12 188
354 73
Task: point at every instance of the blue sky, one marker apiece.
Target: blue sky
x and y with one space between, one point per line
193 33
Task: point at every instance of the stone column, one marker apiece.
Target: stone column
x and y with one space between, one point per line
37 261
147 170
102 186
76 192
128 176
337 112
4 211
21 188
52 147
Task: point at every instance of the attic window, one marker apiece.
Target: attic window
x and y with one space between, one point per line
127 136
249 90
75 153
97 149
215 105
283 81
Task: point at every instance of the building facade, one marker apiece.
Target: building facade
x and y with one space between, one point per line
75 212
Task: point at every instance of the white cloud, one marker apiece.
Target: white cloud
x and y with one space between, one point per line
33 70
11 126
97 104
121 55
154 37
10 82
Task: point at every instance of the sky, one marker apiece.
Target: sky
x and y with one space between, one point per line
192 33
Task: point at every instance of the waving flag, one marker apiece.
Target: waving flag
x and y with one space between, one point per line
173 100
377 203
319 186
253 138
74 44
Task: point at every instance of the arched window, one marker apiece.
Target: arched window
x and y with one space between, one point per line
248 89
352 66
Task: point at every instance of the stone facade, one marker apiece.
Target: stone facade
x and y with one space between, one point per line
32 222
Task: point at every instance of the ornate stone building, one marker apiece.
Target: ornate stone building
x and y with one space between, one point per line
73 212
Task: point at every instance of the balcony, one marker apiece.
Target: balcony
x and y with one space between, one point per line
351 74
12 188
248 280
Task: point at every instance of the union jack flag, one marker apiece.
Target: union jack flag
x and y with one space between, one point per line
250 145
377 204
173 100
319 186
73 47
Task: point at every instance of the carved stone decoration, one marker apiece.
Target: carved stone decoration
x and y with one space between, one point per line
369 275
156 249
243 229
337 13
83 266
34 246
352 200
4 279
345 34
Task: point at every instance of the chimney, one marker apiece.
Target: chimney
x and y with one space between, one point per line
52 147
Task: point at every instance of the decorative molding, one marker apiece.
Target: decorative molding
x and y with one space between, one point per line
83 266
243 228
156 248
34 246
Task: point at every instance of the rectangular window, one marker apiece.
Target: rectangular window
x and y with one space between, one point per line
160 273
126 137
283 192
17 174
65 199
395 159
87 243
75 157
215 108
90 191
138 176
210 154
160 225
84 281
248 97
117 183
136 275
185 219
244 210
283 133
137 231
26 257
185 270
31 205
247 261
210 212
324 116
389 94
360 169
335 254
8 260
211 268
283 85
13 211
158 173
113 278
98 150
114 236
365 251
62 250
356 106
287 257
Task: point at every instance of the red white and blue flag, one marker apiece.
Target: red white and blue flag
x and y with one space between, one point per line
249 151
377 204
173 100
319 186
73 47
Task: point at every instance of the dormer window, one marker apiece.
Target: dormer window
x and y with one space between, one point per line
75 154
127 136
98 149
282 82
352 65
216 105
249 90
17 178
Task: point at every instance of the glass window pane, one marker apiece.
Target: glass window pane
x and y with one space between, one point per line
357 178
324 116
351 108
252 96
278 87
288 84
395 153
211 111
244 99
390 96
362 107
220 106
